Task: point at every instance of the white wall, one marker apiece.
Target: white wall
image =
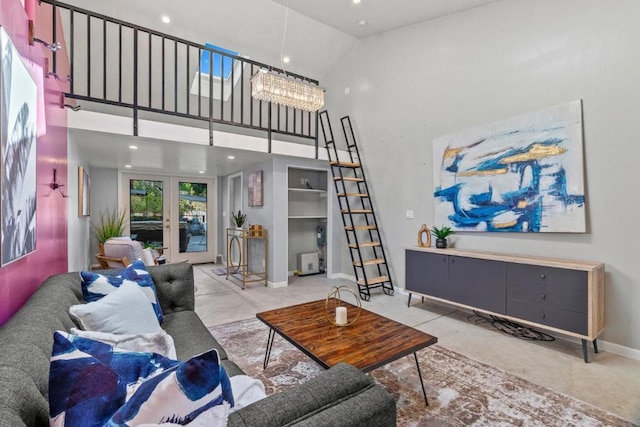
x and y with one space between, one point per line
412 85
104 197
78 229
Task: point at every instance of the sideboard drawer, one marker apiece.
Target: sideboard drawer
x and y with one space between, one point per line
573 280
549 295
548 315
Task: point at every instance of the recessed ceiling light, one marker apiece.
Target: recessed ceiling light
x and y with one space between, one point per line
356 1
200 171
286 59
362 23
231 157
127 166
133 147
165 19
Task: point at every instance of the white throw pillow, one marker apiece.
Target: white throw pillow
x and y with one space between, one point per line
156 342
124 311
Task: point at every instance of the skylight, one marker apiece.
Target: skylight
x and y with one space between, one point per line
218 61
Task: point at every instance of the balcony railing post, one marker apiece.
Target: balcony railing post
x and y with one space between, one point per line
135 82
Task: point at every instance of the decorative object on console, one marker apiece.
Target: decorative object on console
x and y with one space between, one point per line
336 312
424 230
239 219
255 189
441 236
523 174
84 192
18 119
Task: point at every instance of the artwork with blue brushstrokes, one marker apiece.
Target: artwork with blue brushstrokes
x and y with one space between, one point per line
523 174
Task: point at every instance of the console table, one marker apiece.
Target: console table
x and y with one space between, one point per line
243 269
559 295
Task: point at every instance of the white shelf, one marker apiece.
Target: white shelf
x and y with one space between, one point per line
307 190
307 217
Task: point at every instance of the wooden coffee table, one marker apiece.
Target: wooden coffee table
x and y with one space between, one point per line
371 342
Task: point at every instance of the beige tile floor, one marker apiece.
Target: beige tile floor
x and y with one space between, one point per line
609 381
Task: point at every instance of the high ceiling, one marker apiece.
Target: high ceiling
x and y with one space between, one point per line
369 17
318 34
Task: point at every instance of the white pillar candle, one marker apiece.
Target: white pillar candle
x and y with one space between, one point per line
341 316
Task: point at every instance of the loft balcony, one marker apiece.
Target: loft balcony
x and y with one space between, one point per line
133 81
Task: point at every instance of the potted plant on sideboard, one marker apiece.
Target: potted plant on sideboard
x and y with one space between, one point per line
441 235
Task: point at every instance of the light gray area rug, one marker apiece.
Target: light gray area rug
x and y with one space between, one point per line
461 391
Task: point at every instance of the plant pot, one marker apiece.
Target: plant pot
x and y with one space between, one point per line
441 243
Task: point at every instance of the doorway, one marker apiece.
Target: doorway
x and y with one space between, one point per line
175 215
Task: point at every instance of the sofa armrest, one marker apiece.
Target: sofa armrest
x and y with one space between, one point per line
342 395
174 284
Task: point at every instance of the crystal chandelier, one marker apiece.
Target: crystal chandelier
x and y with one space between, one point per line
272 87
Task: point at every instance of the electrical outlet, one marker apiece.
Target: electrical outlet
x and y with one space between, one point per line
302 181
409 214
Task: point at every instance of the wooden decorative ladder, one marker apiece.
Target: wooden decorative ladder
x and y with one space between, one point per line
358 216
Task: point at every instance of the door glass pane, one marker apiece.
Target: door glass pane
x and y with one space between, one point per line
146 218
193 217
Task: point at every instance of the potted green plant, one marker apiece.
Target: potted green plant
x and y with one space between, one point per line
111 224
441 235
239 219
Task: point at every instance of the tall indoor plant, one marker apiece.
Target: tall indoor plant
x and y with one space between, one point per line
111 224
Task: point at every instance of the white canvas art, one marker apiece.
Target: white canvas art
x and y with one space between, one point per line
523 174
18 108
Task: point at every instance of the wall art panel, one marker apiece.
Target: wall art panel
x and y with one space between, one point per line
18 108
523 174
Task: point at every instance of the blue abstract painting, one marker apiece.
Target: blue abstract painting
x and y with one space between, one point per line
523 174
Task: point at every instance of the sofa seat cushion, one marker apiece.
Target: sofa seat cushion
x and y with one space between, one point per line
190 335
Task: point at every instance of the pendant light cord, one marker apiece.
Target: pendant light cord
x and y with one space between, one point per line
284 36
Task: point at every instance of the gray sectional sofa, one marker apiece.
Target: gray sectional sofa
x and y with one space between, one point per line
341 396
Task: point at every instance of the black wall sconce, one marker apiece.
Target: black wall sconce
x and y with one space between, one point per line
56 185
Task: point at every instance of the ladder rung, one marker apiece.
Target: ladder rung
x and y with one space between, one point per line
357 211
373 281
348 178
361 227
364 245
369 262
352 195
345 164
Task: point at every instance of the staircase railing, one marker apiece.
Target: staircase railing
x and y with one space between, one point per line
117 63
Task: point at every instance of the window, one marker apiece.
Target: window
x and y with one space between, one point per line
218 61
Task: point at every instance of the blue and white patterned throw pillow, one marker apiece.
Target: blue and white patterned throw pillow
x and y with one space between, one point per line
178 395
96 286
88 379
90 382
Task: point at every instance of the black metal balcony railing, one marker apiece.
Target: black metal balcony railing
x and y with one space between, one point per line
122 64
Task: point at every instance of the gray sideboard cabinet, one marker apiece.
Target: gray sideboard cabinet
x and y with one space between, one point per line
559 295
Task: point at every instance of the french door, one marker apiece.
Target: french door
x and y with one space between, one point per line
175 215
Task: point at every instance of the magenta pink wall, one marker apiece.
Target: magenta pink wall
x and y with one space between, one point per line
19 279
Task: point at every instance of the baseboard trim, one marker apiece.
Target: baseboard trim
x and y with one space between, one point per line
620 350
277 284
